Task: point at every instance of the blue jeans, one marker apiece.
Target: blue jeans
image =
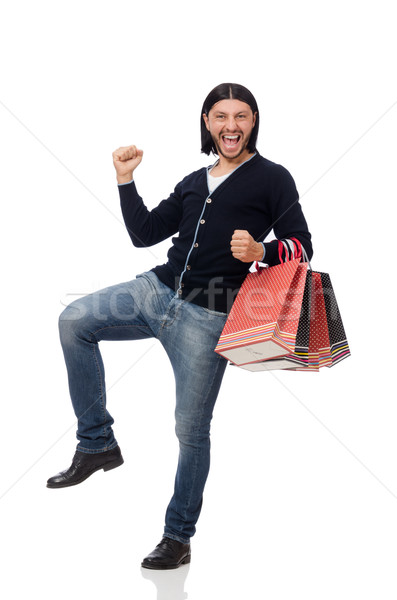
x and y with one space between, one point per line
146 308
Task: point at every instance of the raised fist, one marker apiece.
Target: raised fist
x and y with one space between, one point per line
125 160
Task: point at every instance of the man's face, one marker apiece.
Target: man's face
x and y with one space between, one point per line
230 123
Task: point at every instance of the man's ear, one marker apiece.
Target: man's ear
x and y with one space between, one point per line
206 121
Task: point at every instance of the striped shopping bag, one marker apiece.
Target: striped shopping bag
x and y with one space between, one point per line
264 318
300 355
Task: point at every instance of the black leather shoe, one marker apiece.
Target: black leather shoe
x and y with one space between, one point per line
84 465
168 554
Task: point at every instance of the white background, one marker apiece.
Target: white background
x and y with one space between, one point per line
301 501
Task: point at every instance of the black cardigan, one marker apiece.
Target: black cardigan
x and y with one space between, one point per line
258 196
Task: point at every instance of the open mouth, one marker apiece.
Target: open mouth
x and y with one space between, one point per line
230 141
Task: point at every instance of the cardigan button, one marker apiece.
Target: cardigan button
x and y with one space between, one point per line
188 267
202 221
196 245
209 200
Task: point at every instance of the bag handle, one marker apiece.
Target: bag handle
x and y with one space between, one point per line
303 252
296 250
292 247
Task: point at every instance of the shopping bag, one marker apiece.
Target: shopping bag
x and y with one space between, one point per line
321 339
264 318
338 344
319 354
300 355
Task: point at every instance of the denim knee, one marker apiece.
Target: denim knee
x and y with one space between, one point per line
69 323
191 433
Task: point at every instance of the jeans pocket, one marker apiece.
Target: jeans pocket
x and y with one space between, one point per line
214 313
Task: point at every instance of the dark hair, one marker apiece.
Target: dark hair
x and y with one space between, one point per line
227 91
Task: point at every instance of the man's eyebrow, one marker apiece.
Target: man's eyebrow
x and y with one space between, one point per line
240 112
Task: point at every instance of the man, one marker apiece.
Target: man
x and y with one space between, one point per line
222 215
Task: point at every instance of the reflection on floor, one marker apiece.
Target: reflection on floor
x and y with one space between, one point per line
170 584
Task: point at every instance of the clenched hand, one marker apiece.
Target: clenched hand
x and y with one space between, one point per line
244 247
125 160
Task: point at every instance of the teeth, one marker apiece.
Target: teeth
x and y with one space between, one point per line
231 137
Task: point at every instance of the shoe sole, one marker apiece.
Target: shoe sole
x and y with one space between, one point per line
112 465
153 566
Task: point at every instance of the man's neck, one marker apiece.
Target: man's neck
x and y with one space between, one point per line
227 165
